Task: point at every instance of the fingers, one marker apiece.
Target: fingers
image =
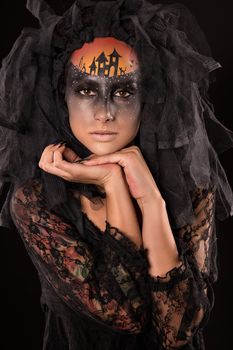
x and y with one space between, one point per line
116 157
53 162
128 157
56 171
47 155
70 155
52 155
58 156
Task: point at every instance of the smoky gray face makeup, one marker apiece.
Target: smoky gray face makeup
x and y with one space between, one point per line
119 95
103 95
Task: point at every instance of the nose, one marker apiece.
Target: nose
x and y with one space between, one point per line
103 113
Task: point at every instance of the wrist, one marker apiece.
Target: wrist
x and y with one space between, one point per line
115 184
153 199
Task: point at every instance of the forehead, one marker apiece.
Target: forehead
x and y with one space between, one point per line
75 76
105 57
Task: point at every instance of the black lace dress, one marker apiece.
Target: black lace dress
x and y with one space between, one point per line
97 293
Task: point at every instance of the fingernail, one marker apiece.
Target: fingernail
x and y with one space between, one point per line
62 144
88 157
82 159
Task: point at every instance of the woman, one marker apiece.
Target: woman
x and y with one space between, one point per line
125 241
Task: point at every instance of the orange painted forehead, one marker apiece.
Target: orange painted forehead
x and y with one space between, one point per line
105 56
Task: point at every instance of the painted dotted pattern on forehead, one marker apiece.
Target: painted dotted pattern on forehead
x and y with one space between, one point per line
78 74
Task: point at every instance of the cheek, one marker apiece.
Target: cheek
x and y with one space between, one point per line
133 117
130 123
77 109
132 106
130 112
76 115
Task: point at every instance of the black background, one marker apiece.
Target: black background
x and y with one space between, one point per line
21 313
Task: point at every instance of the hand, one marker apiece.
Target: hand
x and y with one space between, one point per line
137 174
60 160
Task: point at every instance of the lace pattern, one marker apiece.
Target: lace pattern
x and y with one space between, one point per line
108 278
87 277
184 297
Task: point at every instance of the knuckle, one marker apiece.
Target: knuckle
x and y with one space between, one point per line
57 163
136 149
115 169
132 155
41 165
45 167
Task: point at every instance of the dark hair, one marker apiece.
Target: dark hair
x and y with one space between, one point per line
180 137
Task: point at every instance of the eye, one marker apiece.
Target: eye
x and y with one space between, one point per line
123 93
86 92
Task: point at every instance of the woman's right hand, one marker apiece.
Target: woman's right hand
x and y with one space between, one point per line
60 160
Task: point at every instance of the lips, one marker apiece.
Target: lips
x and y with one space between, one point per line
103 136
100 132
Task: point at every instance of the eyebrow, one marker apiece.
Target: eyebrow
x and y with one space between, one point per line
85 80
127 82
116 82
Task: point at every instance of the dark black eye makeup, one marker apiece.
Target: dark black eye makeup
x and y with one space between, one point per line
122 87
86 92
92 93
118 89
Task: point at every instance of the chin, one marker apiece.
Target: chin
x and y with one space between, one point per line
105 148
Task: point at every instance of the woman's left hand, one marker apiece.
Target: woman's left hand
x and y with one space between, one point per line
141 183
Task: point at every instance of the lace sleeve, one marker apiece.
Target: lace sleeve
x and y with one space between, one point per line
183 298
89 279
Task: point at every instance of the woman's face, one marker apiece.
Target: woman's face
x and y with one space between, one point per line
103 95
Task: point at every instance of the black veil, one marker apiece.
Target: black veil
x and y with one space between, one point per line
179 136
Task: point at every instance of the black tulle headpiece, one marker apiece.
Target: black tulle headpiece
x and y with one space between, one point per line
180 137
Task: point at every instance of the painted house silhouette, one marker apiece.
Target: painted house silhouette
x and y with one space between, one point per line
102 66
